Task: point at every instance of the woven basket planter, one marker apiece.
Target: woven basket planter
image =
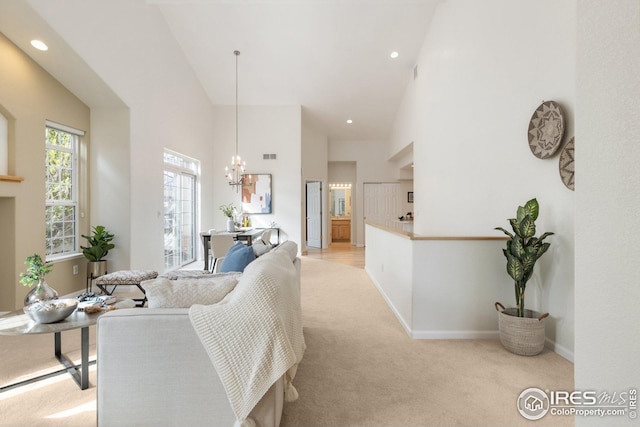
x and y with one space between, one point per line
521 335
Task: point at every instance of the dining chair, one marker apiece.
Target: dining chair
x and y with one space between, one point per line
266 237
219 245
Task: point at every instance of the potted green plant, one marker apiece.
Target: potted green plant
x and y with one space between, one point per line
229 211
37 268
99 245
522 331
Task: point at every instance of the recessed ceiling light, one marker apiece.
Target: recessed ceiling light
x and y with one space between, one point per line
349 121
394 54
39 45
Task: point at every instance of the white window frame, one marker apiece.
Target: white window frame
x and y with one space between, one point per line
75 180
185 165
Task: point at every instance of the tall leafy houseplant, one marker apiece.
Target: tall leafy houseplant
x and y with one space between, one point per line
98 247
99 244
523 249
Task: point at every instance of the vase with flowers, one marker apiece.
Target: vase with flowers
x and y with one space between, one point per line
229 211
37 269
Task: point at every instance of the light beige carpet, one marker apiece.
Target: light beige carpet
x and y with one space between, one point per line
54 402
360 369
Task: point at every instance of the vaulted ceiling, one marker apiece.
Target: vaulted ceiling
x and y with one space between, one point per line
330 56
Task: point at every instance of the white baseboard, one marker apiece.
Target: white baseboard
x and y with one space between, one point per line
458 335
455 335
560 350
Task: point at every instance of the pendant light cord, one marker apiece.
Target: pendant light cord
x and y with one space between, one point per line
236 53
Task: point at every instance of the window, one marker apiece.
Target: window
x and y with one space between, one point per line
180 208
61 211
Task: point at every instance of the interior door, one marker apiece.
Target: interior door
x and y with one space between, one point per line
314 214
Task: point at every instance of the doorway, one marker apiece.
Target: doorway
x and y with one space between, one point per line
340 211
343 175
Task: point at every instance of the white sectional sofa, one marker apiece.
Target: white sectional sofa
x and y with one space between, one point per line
153 369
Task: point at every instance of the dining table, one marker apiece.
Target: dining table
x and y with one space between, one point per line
243 234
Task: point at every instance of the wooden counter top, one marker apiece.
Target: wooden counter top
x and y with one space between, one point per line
414 236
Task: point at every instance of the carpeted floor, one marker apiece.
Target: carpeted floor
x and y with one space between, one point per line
360 369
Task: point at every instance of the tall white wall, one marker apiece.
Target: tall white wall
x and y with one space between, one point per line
110 175
262 130
607 203
167 109
403 130
483 70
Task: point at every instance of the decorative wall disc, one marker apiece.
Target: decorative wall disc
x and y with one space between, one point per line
567 165
546 129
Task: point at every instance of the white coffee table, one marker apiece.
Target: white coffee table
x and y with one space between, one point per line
18 323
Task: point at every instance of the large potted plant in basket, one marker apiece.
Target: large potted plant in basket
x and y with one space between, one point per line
99 245
522 331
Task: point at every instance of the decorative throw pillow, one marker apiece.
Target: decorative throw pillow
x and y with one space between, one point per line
237 258
186 274
290 247
259 248
184 292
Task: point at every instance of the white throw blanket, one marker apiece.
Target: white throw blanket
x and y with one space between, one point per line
254 335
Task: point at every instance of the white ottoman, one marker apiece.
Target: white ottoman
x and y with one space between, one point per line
126 277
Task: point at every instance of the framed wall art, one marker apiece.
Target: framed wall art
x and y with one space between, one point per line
256 193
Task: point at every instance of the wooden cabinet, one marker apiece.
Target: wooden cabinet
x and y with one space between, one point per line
341 230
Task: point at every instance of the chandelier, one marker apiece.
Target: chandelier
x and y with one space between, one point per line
236 171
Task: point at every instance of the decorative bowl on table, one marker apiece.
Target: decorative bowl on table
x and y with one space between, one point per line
51 311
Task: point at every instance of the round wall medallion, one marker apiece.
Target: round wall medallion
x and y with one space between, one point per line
546 129
567 165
